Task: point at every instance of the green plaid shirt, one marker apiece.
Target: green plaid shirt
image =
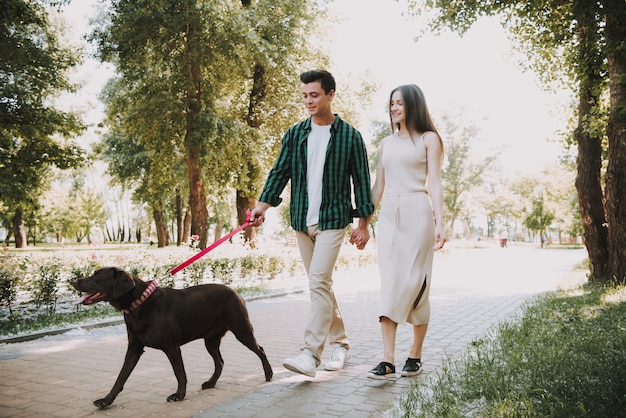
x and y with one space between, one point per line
346 159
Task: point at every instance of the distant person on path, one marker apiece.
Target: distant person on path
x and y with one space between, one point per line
410 224
323 157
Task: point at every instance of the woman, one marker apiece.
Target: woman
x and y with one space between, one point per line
410 223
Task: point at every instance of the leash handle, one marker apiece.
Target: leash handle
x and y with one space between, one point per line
211 247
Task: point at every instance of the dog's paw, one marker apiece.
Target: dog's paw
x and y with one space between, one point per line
209 384
102 403
176 397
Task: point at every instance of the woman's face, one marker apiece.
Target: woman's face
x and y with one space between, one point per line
396 108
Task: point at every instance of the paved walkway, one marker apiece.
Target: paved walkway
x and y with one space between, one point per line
473 290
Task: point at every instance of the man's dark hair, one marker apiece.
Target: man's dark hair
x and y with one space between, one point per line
324 77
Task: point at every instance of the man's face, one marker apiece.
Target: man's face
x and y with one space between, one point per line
317 102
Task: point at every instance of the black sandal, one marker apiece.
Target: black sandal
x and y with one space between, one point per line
412 367
382 371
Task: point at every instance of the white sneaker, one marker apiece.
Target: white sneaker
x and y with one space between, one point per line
303 363
337 357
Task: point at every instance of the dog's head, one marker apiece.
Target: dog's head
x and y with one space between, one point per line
110 284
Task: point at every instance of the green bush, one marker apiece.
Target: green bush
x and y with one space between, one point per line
248 264
46 285
195 272
47 280
275 265
223 269
12 271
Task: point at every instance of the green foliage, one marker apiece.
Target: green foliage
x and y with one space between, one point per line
561 358
196 272
49 278
274 266
545 31
33 71
380 130
46 285
71 214
248 265
284 215
223 269
460 173
578 45
18 325
12 270
215 72
540 219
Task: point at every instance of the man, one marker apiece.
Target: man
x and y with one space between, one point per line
321 156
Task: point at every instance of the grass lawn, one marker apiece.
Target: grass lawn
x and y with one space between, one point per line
565 356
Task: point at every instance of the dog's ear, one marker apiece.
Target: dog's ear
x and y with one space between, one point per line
123 284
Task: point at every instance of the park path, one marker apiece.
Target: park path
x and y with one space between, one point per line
472 291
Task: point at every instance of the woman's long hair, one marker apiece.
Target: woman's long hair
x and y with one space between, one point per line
416 112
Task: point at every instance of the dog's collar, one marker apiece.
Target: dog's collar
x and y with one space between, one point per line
145 295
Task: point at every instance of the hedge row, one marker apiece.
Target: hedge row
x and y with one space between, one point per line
44 282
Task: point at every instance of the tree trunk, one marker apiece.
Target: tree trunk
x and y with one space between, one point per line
161 226
197 192
186 226
122 231
254 120
219 226
8 237
590 198
589 159
616 131
243 204
197 198
179 218
18 229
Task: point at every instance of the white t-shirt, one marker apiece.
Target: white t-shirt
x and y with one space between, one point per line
316 157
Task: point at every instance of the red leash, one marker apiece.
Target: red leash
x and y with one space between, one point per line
210 247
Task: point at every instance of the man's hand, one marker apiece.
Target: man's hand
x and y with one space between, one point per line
257 215
359 236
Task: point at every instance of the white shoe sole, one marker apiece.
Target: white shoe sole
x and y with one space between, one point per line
380 377
297 370
410 374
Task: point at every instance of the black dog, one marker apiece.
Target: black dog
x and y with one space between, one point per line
166 319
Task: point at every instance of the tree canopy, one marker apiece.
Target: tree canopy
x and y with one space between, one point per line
207 86
581 43
34 130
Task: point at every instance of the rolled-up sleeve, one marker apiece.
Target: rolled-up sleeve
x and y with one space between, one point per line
361 180
279 175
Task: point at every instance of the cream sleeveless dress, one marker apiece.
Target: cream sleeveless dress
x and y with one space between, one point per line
405 232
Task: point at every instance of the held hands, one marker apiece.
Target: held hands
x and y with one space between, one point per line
440 238
359 237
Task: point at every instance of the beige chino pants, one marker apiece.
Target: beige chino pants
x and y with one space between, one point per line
319 251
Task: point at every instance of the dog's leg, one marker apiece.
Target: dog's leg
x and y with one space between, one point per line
133 353
213 347
245 334
267 368
176 360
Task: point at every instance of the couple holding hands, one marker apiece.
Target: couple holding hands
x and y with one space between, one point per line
326 161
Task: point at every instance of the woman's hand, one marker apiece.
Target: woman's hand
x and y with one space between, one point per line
360 236
440 238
